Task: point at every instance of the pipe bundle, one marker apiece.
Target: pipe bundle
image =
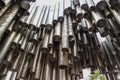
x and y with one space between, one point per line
56 42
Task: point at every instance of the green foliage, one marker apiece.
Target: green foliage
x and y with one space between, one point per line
97 76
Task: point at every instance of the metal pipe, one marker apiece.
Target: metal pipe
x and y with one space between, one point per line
63 59
54 72
3 10
25 4
47 73
6 45
83 4
76 2
54 56
37 52
61 9
18 76
4 70
62 74
7 18
4 3
79 13
50 43
16 62
28 19
32 5
35 17
10 27
38 68
49 23
56 13
44 20
115 14
100 4
45 43
9 57
100 21
89 24
70 29
57 32
67 7
65 45
91 5
25 67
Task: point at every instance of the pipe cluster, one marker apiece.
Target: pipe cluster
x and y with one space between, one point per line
56 42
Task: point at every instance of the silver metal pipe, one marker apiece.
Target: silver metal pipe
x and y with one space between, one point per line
32 5
4 3
18 76
63 59
4 70
6 45
100 21
45 42
36 16
7 18
89 24
70 29
3 10
56 13
50 43
57 32
37 52
65 45
10 27
83 4
49 23
79 13
9 57
62 74
61 9
76 2
25 4
54 72
38 68
28 19
91 5
16 62
47 73
44 20
13 76
25 68
100 4
67 7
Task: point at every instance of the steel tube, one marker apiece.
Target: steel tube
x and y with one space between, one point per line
47 73
100 21
91 5
61 9
83 4
100 4
38 68
57 32
49 23
63 59
33 70
6 45
65 45
62 74
7 18
4 3
56 13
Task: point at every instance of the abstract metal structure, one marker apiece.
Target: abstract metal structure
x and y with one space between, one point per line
56 42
